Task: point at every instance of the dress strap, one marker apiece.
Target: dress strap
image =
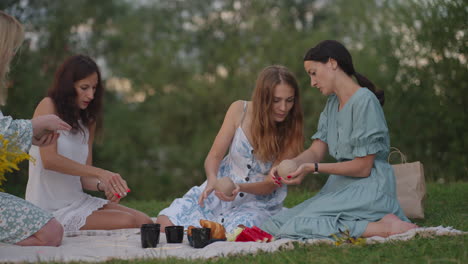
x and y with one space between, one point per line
243 113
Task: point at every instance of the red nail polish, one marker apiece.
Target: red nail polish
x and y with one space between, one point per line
128 190
280 178
289 177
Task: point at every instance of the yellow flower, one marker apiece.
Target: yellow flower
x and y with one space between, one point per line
10 156
346 238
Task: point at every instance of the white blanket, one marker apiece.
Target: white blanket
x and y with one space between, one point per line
100 245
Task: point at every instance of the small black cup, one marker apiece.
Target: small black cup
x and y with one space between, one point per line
201 237
150 235
174 234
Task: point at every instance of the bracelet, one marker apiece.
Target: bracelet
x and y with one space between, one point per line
316 168
97 186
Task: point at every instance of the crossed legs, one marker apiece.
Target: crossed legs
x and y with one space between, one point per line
110 216
116 216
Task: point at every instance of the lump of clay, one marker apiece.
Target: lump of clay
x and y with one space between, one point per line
225 185
286 167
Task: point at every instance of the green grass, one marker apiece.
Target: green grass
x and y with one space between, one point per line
446 204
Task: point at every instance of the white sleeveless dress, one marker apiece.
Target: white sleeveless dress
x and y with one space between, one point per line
62 194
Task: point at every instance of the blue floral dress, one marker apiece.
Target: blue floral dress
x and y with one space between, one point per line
247 209
346 203
19 219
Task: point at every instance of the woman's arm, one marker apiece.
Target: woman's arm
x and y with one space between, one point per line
264 187
315 153
359 167
90 183
223 139
53 161
220 146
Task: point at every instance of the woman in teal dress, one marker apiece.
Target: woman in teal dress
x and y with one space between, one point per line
360 194
21 222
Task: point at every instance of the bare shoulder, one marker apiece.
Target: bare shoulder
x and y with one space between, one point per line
236 111
46 106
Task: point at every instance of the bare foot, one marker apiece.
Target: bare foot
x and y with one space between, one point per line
387 226
395 226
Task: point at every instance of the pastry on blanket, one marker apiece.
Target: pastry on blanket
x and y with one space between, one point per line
217 230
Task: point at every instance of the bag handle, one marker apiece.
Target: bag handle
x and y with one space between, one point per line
395 150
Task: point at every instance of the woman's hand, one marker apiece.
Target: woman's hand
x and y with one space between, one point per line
295 178
273 176
45 139
111 196
114 183
224 197
208 189
46 124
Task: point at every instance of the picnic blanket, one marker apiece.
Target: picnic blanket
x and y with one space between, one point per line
102 245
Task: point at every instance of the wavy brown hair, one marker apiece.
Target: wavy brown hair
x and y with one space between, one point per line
63 92
271 139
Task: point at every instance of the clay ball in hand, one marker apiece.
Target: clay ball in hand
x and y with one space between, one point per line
286 167
225 185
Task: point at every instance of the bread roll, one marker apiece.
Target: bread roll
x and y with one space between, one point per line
217 230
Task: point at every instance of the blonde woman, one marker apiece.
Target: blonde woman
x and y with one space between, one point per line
257 134
21 222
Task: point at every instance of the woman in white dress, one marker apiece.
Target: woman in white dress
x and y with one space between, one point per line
256 135
62 170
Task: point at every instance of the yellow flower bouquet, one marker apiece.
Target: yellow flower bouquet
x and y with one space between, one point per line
10 156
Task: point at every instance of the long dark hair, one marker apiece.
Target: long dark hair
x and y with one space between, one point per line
63 92
269 138
327 49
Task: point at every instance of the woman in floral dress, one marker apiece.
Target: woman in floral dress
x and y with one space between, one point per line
21 222
257 134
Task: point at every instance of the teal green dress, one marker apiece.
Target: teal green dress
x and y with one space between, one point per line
346 203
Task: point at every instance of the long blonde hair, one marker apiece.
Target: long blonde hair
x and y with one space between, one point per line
11 37
272 140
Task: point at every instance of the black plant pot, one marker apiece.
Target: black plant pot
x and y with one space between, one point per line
149 235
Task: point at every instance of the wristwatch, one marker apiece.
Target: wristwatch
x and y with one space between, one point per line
316 168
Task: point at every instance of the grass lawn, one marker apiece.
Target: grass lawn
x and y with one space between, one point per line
446 204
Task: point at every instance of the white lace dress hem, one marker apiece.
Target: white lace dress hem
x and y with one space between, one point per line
73 217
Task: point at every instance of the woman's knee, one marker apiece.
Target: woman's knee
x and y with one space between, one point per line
126 220
51 234
163 221
138 217
143 218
